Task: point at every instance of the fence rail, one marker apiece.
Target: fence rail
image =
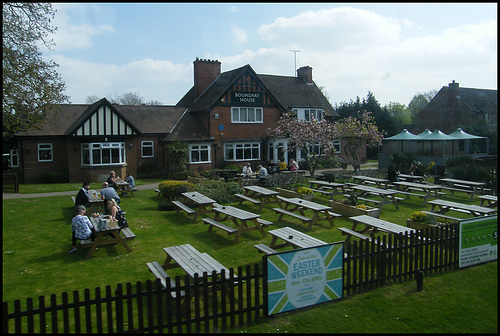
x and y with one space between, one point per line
10 182
208 304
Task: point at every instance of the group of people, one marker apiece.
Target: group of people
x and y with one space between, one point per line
259 174
272 169
81 226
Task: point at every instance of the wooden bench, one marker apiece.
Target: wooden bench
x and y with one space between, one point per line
73 198
264 222
333 214
325 192
457 189
264 249
346 231
246 198
157 191
160 273
213 223
129 235
436 214
293 214
184 207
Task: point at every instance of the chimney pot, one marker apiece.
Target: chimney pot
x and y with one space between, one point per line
205 72
306 73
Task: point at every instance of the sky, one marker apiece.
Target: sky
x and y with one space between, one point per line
394 51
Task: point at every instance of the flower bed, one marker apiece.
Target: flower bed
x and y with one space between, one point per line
292 194
351 210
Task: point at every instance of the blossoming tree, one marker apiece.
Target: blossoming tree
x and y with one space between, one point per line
315 138
354 131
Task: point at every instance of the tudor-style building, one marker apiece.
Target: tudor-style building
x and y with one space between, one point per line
223 118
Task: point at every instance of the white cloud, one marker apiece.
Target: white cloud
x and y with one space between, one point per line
239 35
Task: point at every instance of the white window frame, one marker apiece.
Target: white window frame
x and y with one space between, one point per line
200 148
239 113
95 153
14 158
45 147
305 113
242 151
337 144
147 144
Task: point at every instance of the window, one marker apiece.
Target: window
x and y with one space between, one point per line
337 146
14 158
246 115
199 153
147 149
242 151
101 154
45 152
318 114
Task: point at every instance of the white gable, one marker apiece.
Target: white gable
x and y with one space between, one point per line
104 122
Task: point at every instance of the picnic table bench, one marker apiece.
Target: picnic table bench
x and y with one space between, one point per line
204 204
491 199
437 214
387 195
429 190
469 187
374 225
259 195
475 210
294 205
291 237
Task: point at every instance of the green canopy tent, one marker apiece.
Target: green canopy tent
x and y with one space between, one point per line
404 137
437 135
464 139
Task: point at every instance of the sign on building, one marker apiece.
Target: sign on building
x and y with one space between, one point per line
302 278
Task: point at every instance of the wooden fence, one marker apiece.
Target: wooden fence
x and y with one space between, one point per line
205 304
10 182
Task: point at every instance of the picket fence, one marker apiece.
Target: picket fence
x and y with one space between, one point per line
10 182
209 304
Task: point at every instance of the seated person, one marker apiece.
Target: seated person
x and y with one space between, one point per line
81 227
392 174
282 165
294 165
130 180
112 208
82 198
112 180
247 170
262 172
108 193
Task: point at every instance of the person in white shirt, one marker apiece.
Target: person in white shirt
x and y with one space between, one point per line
247 170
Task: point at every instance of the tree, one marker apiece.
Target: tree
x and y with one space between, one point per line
314 138
31 86
399 113
418 103
179 155
354 131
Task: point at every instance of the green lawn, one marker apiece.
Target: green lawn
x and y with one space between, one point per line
37 238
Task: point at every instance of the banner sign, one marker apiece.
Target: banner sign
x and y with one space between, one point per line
302 278
478 240
248 98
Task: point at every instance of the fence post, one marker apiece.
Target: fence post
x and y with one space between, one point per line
420 280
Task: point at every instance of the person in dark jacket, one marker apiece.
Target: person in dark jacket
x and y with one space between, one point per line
82 198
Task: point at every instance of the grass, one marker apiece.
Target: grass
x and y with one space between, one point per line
37 238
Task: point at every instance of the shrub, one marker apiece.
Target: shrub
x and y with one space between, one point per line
419 216
61 176
464 168
304 190
180 176
220 191
171 191
150 169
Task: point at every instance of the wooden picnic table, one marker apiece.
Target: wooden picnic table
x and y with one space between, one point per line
430 190
330 188
124 187
490 199
226 174
259 196
294 238
112 228
373 225
373 180
470 187
412 178
204 204
244 221
388 196
294 205
475 210
96 202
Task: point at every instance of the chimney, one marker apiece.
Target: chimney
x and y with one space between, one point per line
205 72
306 73
453 85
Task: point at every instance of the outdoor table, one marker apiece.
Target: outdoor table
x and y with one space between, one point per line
263 195
331 188
430 190
124 187
374 225
388 196
412 178
204 203
490 199
244 221
367 179
226 174
96 202
475 210
112 228
294 205
455 185
294 238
